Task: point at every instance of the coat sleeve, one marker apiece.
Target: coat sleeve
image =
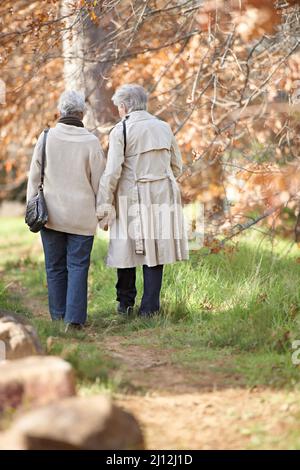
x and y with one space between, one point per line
97 166
34 176
176 159
110 178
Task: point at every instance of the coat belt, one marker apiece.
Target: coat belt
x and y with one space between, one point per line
138 229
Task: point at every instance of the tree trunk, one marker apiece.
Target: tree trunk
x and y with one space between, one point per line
82 71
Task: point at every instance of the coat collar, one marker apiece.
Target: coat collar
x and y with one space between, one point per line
71 130
135 116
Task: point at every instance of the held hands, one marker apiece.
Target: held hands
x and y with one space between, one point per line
106 215
104 223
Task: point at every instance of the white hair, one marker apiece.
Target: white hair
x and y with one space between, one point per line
134 97
71 102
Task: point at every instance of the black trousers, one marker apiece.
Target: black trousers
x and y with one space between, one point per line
126 290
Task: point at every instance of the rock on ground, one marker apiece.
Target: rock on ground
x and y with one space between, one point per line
19 338
34 381
86 423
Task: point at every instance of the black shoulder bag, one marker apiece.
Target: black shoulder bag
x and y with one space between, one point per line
124 133
36 211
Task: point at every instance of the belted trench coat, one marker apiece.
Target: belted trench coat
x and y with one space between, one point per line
139 187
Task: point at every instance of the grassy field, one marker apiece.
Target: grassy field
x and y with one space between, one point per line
214 369
241 308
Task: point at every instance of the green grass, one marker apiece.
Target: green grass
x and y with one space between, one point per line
242 307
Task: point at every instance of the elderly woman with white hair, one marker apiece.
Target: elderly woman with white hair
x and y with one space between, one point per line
140 200
73 167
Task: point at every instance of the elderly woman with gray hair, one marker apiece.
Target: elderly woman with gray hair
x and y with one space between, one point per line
140 200
74 165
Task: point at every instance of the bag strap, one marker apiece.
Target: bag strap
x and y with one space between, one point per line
41 185
124 132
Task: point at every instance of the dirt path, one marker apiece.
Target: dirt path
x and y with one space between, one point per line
181 409
224 419
154 370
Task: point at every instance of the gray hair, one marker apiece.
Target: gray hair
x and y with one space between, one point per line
71 102
134 97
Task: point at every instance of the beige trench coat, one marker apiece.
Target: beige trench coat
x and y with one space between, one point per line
140 189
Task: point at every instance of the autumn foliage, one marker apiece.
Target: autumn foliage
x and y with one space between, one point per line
224 74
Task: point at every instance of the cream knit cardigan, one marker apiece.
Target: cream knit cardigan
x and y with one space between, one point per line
74 165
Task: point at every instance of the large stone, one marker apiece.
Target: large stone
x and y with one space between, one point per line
35 380
86 423
19 338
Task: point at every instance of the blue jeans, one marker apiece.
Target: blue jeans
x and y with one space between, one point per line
67 260
126 290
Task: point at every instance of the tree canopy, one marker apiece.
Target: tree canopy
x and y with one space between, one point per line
223 73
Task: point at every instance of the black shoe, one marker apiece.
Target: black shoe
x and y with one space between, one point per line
123 310
73 326
148 314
